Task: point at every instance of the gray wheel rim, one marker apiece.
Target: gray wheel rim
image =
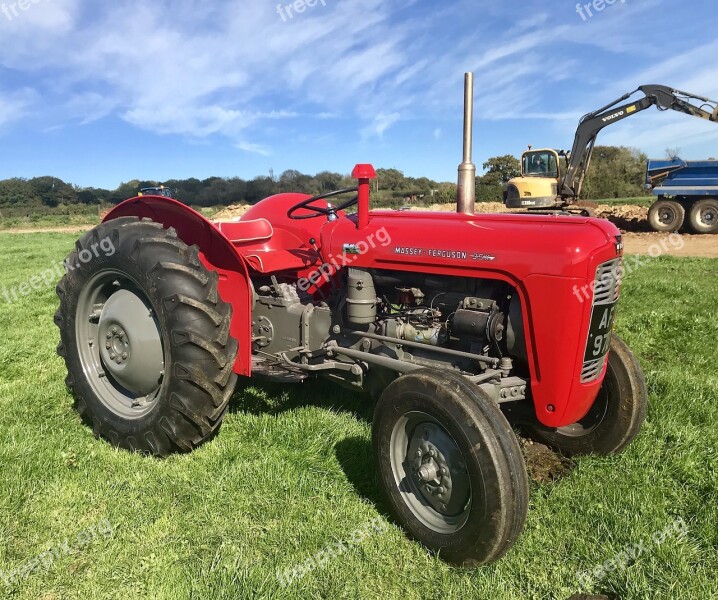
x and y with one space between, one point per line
430 472
667 216
708 216
119 344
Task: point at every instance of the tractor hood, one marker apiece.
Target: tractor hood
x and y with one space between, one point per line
519 245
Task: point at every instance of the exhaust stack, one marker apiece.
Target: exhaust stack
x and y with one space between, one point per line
466 189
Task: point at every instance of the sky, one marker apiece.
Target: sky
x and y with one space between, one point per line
98 92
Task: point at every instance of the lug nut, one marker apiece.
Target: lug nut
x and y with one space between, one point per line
108 345
124 355
109 335
112 356
114 330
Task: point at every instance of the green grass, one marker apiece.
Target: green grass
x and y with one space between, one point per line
291 474
80 217
47 221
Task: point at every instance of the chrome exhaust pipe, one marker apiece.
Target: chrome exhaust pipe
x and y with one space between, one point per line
466 188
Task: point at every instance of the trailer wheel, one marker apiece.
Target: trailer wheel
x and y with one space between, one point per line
145 338
615 417
666 216
703 217
451 466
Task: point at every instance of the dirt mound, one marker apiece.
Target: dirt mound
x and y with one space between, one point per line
543 464
627 217
231 212
481 207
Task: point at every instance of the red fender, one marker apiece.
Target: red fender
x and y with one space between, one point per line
218 254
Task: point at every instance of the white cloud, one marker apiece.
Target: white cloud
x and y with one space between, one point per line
232 67
14 106
253 148
381 123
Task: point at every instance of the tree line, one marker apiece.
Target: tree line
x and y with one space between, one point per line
615 172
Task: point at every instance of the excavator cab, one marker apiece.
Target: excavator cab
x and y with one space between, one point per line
540 163
541 172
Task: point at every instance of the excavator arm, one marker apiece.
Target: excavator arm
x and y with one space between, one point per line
662 97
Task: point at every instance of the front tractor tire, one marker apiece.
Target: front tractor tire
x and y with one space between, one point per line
451 466
616 415
666 216
145 338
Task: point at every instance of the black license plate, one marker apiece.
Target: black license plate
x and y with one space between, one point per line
599 335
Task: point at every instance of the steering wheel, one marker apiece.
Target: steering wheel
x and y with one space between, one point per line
317 211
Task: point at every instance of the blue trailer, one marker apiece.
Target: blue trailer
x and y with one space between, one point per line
687 191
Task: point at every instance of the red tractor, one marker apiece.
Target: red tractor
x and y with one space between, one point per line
460 325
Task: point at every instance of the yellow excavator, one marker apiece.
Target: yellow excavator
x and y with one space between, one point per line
552 179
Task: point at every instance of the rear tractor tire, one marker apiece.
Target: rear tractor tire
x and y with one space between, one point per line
451 466
703 217
145 338
616 415
666 216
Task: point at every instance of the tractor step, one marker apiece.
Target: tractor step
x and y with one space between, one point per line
273 371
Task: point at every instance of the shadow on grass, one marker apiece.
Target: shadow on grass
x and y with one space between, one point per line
258 397
356 457
354 454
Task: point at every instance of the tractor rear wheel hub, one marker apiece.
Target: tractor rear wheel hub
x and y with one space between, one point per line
132 353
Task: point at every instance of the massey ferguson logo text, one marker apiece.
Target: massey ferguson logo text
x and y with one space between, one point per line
614 116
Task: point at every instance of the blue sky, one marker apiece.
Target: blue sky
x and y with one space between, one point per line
102 92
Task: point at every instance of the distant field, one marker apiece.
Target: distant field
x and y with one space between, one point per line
49 221
291 474
45 219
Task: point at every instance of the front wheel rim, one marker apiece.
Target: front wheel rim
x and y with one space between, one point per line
430 472
119 344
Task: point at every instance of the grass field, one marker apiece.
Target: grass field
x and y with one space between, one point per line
291 475
49 218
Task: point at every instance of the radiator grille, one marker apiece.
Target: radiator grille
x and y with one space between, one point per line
606 291
608 282
591 370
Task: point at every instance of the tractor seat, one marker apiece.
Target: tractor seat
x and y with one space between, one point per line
246 232
275 261
268 250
